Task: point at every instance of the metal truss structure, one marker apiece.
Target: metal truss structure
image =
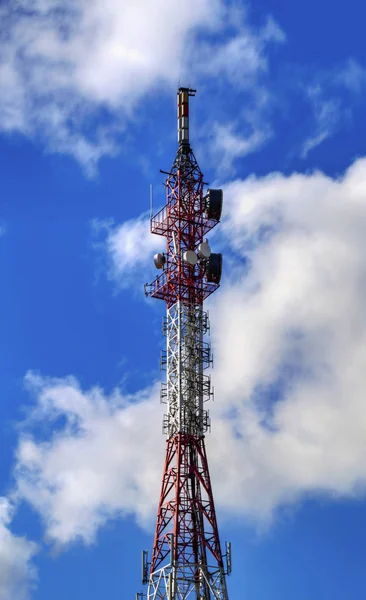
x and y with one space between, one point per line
187 560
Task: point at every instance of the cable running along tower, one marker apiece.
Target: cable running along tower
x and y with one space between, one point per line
187 560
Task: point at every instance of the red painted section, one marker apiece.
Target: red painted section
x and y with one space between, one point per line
184 218
184 109
186 506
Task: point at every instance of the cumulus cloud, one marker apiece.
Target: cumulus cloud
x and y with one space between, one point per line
289 337
128 247
103 462
73 72
17 574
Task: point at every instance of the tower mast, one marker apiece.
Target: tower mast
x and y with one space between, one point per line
187 559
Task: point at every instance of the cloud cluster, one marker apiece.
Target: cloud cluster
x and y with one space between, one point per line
73 72
16 571
289 336
99 464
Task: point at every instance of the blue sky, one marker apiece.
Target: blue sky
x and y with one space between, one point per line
87 119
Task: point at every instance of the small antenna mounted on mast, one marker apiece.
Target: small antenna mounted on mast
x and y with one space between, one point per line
151 201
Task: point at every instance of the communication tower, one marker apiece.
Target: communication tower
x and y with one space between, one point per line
187 559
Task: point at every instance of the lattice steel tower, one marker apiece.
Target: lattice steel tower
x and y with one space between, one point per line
187 560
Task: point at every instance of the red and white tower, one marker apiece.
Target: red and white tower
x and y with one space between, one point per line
187 559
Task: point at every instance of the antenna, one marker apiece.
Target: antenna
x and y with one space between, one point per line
145 568
151 200
228 558
186 562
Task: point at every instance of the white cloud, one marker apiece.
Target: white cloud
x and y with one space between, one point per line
129 247
352 76
242 55
289 336
62 61
290 341
332 96
103 463
327 117
228 144
17 574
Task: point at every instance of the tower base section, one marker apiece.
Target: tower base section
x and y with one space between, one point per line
187 561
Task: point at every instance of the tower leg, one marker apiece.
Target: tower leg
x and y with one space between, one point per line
191 567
